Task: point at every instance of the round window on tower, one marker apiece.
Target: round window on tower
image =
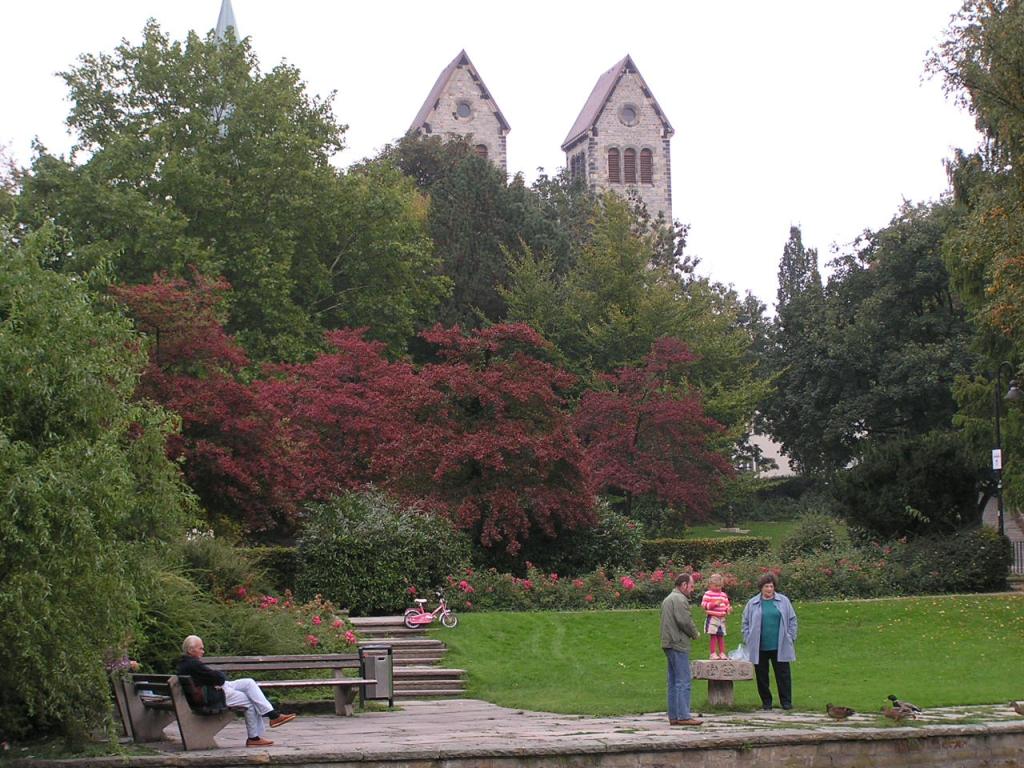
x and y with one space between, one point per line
463 111
628 114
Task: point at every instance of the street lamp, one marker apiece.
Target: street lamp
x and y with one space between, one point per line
1012 394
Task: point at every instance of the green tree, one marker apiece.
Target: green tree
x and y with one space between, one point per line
874 357
172 178
85 491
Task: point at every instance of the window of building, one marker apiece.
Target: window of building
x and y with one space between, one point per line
481 150
629 166
576 167
463 110
629 115
646 166
614 174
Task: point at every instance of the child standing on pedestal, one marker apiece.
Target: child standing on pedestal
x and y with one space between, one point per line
717 606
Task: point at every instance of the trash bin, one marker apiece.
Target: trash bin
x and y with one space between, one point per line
376 662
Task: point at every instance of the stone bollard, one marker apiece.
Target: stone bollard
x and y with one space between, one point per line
720 675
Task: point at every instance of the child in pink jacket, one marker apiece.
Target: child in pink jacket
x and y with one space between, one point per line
717 606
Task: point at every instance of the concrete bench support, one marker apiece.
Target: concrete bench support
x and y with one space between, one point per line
720 676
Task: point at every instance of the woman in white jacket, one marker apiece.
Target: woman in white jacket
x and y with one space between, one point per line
769 632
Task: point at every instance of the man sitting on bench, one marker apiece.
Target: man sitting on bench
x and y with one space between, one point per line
237 693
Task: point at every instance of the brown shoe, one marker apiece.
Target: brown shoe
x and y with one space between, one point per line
258 741
281 720
691 721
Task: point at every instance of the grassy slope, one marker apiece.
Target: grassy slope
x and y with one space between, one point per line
934 651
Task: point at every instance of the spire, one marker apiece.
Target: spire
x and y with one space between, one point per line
226 19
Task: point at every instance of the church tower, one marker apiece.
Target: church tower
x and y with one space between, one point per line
620 141
459 104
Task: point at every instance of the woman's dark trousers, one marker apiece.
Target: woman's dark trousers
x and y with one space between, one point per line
783 681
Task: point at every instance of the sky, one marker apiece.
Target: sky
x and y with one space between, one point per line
814 113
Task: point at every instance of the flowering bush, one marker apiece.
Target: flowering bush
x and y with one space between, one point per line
317 622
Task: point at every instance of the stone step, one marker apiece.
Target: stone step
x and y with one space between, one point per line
450 693
427 672
406 643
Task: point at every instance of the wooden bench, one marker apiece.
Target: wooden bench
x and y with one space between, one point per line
149 703
345 688
720 674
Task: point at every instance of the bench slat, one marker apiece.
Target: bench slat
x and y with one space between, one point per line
343 682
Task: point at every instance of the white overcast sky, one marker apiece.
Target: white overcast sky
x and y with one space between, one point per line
808 112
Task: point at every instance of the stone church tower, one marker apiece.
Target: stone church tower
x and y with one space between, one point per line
460 104
620 141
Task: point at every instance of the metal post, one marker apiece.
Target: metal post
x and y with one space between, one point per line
997 453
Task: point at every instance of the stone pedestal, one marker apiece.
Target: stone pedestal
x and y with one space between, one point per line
720 676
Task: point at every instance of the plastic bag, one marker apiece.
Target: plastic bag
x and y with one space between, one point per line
739 653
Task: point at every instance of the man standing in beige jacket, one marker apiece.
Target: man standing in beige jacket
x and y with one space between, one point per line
677 632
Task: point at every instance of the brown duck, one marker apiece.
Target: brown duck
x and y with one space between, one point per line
896 713
838 713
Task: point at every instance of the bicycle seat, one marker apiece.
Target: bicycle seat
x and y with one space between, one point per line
420 600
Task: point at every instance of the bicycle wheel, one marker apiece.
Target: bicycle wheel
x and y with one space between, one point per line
450 620
408 616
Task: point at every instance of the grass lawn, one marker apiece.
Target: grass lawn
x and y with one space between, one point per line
934 651
776 531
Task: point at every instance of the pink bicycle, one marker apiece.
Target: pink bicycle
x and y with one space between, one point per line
421 617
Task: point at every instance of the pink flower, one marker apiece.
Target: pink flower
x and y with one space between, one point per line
338 624
241 592
469 604
313 640
411 591
627 583
317 620
658 576
578 583
527 584
465 586
589 598
554 577
350 637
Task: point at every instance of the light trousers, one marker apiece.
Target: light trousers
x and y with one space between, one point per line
246 693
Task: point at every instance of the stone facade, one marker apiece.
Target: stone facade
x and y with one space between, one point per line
621 140
459 104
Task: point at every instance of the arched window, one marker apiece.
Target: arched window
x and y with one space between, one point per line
614 175
646 166
481 150
629 166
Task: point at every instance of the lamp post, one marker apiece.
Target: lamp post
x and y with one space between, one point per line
1012 394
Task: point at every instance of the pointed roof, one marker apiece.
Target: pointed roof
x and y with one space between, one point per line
462 60
226 19
599 97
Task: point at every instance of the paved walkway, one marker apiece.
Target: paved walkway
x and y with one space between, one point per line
476 730
1011 526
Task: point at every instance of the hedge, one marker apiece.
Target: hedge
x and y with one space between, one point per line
696 551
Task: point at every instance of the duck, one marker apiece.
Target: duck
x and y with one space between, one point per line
838 713
904 705
1018 707
896 713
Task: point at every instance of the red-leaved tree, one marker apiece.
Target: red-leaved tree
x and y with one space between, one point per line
354 408
490 443
648 435
242 459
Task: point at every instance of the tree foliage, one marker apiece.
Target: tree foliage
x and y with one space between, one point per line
195 158
240 454
85 488
873 356
648 435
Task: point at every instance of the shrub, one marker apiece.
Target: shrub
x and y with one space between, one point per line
613 543
363 551
910 487
279 564
968 561
814 533
697 551
220 568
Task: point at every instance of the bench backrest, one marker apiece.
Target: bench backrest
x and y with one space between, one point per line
283 662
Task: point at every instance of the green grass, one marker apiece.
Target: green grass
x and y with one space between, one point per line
776 531
934 651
